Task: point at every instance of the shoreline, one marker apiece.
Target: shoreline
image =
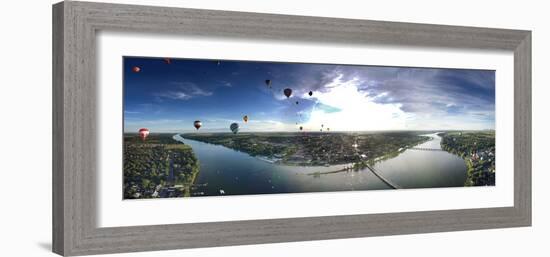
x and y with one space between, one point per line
281 161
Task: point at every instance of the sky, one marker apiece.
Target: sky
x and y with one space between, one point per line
168 96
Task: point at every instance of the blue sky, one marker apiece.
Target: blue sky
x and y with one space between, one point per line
170 96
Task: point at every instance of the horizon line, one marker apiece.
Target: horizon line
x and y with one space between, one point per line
310 131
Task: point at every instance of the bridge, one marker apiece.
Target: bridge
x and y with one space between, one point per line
426 149
385 180
345 169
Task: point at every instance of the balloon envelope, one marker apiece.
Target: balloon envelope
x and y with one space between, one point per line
136 69
143 133
310 93
245 118
234 128
287 92
197 124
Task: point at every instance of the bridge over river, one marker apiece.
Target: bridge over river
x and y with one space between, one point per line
389 182
349 168
426 149
385 180
376 172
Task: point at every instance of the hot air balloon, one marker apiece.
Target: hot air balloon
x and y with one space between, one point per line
268 82
167 61
143 133
297 102
301 128
245 118
197 124
328 129
136 69
322 125
234 128
310 93
287 92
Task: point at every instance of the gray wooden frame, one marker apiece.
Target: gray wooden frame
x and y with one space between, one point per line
75 25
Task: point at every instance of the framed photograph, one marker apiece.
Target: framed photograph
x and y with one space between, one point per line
183 128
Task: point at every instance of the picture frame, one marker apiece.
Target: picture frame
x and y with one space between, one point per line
75 25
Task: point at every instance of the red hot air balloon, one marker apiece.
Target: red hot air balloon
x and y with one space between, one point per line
136 69
287 92
197 124
143 133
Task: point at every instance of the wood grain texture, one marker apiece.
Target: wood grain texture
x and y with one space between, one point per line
58 218
75 25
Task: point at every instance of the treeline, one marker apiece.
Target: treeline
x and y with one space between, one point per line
252 145
478 151
155 166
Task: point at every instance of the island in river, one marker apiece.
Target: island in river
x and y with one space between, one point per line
203 164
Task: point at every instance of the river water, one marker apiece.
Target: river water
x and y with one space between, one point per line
230 172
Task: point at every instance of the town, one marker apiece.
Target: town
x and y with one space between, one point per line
478 150
315 148
158 167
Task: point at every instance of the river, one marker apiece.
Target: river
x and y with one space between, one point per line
230 172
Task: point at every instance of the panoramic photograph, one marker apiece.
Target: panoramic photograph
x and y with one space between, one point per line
195 127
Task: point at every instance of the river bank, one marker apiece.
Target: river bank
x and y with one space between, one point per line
226 171
478 151
315 149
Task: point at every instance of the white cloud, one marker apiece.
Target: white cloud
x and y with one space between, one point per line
174 95
357 112
266 126
362 109
187 90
